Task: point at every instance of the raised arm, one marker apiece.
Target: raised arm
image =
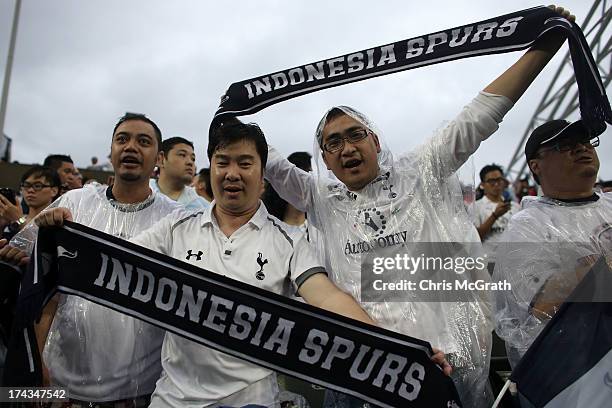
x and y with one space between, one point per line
516 79
443 154
290 182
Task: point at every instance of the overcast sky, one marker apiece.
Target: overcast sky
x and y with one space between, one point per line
79 65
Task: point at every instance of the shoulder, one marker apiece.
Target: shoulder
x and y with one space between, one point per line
162 202
183 218
289 233
193 201
482 204
88 192
606 197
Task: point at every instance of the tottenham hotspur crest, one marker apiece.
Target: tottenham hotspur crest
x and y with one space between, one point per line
261 262
370 221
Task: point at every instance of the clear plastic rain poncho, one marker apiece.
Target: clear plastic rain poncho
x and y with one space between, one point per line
420 200
546 249
96 353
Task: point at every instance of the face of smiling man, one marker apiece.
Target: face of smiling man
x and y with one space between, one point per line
355 163
236 177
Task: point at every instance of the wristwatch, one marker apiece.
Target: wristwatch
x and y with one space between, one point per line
15 226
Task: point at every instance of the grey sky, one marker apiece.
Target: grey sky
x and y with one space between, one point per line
79 65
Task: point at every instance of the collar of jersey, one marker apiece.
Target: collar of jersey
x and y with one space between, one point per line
258 219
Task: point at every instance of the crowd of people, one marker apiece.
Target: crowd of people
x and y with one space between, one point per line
253 203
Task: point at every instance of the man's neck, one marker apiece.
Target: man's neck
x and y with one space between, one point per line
170 187
293 216
229 222
130 193
495 199
569 195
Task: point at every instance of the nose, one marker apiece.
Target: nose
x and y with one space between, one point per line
585 145
131 145
348 149
232 172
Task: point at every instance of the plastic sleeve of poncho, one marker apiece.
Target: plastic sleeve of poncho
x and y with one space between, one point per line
293 184
449 148
542 254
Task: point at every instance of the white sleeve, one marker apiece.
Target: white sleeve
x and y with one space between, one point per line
448 149
293 184
476 213
304 263
159 236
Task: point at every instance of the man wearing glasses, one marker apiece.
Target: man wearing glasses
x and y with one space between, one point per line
493 211
554 240
375 199
39 187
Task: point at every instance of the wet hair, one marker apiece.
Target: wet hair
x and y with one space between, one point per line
141 117
489 168
168 144
55 161
233 131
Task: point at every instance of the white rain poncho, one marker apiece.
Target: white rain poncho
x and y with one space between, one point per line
420 200
96 353
548 241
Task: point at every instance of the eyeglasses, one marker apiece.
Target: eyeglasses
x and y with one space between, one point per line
35 186
494 181
568 145
336 143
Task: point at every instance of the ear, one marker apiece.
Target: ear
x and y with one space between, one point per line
376 142
160 159
534 166
55 191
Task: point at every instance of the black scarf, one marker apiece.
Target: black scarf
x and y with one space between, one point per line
383 367
510 32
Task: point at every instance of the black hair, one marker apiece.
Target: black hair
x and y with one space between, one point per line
272 200
301 160
204 174
49 174
169 143
141 117
489 168
232 131
55 161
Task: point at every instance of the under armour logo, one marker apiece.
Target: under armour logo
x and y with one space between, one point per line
61 251
198 255
261 262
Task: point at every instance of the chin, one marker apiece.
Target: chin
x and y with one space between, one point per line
130 176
